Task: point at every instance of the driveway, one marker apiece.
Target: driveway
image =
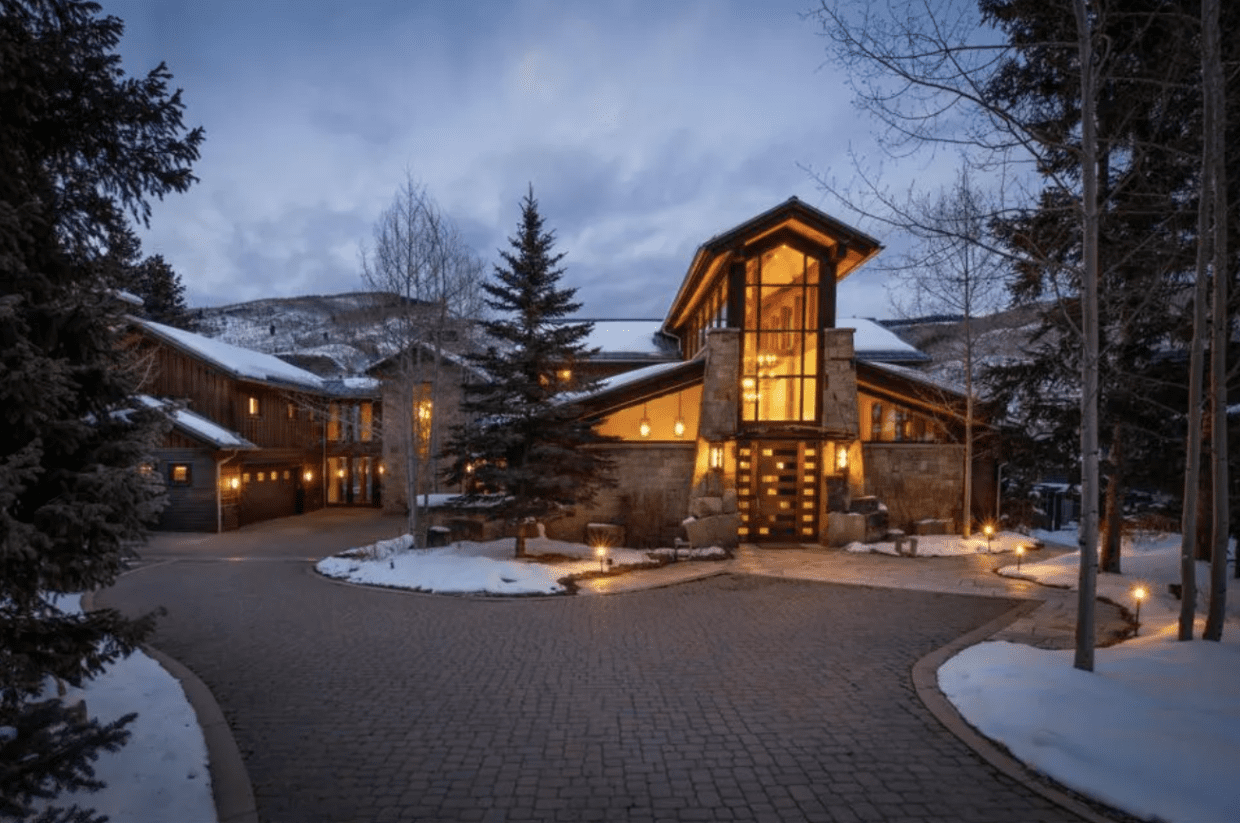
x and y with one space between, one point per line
730 698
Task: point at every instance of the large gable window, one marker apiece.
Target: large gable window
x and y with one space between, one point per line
780 365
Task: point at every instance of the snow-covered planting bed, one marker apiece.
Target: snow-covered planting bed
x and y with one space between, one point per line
949 545
468 567
1153 730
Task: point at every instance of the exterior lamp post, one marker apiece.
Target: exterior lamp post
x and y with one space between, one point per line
1138 594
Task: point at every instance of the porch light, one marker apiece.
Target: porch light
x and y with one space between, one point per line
381 468
340 473
1138 594
308 476
841 458
643 428
234 482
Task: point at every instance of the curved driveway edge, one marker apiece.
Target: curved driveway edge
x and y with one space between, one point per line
230 783
926 684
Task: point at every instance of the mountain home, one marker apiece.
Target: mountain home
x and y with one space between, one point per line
759 418
252 436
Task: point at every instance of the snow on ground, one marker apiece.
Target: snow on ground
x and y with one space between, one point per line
948 545
1154 730
161 774
470 567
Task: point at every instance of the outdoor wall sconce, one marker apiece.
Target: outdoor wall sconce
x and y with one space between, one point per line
716 457
380 468
340 473
234 482
841 458
643 428
308 476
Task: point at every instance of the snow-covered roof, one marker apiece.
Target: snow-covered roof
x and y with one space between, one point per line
617 338
198 426
875 342
921 377
242 363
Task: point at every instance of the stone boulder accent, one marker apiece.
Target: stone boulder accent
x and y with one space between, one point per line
705 506
844 528
877 522
716 530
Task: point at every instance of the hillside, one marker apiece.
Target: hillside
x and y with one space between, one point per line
326 334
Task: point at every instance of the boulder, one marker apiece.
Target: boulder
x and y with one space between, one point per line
705 506
716 530
844 528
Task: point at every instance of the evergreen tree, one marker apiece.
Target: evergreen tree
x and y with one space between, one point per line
81 147
525 441
162 293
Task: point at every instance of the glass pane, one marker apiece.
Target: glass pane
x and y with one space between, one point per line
810 361
808 395
751 307
751 270
811 270
751 353
811 308
778 398
782 264
780 309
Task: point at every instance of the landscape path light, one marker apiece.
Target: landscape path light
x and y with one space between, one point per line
989 531
1020 554
1138 594
601 553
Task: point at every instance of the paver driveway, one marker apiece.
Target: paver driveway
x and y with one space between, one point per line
731 698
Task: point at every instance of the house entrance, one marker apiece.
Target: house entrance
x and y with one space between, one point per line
777 491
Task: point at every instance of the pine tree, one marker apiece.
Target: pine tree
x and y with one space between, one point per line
526 441
162 293
81 147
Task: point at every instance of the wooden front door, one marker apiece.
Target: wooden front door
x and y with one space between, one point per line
777 486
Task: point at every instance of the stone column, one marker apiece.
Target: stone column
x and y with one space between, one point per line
721 385
839 383
713 517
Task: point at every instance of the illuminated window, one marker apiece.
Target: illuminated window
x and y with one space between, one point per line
260 477
779 376
252 406
287 475
564 375
245 477
180 474
333 422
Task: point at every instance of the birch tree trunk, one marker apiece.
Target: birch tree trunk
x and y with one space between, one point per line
1088 534
1215 169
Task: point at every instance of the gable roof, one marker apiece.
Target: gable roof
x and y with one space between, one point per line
243 364
793 216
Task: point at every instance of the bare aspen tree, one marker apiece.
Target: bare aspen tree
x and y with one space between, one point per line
923 70
419 256
952 269
1214 188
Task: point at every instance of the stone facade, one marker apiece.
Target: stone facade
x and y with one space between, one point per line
916 481
650 498
721 385
839 383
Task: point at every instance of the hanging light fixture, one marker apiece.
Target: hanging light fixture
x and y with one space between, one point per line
643 428
678 428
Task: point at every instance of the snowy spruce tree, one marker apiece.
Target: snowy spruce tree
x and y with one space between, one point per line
82 149
524 441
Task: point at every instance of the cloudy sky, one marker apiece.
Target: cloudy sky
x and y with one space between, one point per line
644 126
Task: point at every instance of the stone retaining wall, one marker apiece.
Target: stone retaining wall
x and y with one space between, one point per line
917 481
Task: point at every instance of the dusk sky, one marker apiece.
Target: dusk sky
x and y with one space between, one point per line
645 128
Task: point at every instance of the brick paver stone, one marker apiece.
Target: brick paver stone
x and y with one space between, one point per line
732 698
